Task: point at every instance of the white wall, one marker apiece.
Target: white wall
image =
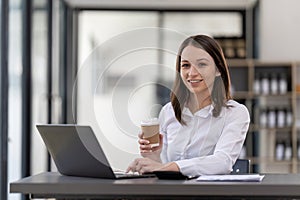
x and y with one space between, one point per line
279 30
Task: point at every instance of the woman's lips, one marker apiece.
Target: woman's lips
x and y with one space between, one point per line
194 80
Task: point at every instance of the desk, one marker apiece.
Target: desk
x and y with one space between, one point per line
54 185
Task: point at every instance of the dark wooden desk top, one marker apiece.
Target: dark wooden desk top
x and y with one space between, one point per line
52 184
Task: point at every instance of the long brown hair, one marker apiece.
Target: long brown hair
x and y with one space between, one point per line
221 89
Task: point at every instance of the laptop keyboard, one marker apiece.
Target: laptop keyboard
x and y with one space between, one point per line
120 174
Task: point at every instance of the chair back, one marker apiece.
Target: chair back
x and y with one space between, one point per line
241 166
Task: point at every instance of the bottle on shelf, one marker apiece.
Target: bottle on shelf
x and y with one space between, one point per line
289 117
265 86
282 83
229 49
271 118
288 150
274 84
279 150
263 118
281 118
256 84
240 48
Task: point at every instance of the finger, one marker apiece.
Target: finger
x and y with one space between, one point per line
128 169
145 147
155 148
143 141
144 166
131 167
139 166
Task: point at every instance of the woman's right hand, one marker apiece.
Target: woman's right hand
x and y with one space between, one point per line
150 152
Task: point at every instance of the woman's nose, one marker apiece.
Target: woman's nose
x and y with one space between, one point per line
193 71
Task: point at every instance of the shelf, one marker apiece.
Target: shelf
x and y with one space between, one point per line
262 140
242 95
275 129
250 95
269 160
286 95
238 62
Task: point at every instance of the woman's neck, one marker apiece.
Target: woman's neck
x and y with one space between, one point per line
196 102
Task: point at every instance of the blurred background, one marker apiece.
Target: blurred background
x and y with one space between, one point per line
110 64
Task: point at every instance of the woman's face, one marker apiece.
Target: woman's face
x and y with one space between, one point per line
197 70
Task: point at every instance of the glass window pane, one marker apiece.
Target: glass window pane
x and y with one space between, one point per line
118 53
14 105
221 24
39 84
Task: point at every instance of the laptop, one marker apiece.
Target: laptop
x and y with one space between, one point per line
77 152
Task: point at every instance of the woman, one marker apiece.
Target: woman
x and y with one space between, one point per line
202 128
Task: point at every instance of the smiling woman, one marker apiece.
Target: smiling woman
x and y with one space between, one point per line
202 128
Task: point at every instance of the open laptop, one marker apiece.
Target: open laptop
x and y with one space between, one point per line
77 152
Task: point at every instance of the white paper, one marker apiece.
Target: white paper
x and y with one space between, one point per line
236 177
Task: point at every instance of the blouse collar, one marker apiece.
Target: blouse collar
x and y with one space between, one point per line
204 112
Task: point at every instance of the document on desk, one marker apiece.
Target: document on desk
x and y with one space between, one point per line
235 177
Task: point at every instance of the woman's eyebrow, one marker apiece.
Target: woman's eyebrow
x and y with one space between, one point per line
184 61
201 59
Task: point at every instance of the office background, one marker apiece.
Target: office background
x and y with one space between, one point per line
63 62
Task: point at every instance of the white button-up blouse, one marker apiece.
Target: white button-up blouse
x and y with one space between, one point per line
206 144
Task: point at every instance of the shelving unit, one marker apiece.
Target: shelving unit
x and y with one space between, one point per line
296 96
271 92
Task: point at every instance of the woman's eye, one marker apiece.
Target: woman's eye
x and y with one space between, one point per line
185 65
201 64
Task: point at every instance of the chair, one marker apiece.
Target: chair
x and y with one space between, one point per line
241 166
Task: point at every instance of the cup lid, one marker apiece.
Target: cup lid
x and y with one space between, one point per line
149 122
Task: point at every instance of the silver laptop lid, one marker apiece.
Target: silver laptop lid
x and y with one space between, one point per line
75 150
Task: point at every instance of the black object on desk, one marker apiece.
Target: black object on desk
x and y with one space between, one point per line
171 175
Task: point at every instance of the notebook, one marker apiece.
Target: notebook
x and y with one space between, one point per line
77 152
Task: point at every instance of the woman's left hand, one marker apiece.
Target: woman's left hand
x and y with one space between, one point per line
144 165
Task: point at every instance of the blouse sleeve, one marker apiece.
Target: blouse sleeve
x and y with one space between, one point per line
227 149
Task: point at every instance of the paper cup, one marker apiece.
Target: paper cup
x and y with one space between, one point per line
150 129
